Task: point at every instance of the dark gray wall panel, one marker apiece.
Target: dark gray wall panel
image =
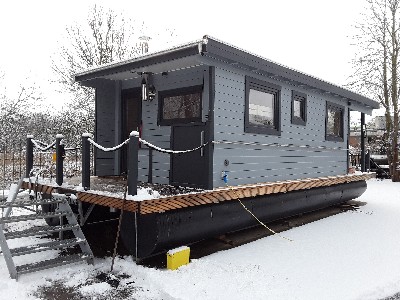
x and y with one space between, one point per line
261 163
161 135
105 126
143 165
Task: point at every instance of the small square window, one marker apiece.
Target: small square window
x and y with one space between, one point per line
180 106
334 122
262 107
299 108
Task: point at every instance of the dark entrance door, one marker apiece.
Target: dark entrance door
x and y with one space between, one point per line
189 169
131 119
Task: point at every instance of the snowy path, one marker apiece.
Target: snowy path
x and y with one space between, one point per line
353 255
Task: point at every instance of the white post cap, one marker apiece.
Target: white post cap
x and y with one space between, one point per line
86 134
134 133
59 136
29 136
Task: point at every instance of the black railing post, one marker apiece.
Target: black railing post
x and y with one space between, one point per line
59 160
29 155
86 161
133 156
362 142
150 171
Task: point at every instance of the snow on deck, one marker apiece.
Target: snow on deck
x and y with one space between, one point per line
352 255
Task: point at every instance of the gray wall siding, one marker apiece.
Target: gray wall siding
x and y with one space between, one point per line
161 135
105 134
252 164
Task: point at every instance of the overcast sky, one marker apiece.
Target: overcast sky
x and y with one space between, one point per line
309 35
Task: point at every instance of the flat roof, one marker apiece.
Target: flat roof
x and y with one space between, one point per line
209 51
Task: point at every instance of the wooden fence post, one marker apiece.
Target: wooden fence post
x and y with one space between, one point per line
86 161
59 159
29 155
133 156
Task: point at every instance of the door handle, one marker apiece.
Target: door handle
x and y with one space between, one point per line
202 143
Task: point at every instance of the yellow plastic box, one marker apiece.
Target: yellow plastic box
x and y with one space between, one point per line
178 257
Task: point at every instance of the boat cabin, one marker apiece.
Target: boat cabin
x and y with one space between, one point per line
259 121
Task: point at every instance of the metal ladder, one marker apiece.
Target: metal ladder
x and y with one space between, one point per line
63 210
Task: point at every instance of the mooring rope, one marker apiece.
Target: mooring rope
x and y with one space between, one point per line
119 225
255 217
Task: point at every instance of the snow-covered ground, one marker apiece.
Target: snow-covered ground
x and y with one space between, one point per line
352 255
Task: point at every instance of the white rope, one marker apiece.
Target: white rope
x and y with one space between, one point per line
277 145
254 216
107 149
150 145
36 143
170 151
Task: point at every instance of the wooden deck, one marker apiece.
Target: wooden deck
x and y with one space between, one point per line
201 198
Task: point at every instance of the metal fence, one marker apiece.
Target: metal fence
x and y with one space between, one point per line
12 163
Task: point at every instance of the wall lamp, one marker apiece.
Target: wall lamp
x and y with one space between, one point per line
148 89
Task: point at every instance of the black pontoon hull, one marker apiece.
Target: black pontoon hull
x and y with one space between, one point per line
159 232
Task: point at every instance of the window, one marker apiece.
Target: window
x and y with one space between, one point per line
334 122
262 113
299 108
180 106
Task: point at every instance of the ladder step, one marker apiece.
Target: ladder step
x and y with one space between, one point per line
51 263
33 217
30 203
39 230
46 246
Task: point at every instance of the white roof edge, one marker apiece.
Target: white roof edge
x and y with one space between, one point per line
282 65
139 58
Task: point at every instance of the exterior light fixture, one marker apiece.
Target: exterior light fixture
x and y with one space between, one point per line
148 90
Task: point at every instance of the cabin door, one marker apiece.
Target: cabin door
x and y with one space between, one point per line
189 169
131 119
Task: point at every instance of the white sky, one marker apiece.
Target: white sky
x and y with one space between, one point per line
309 35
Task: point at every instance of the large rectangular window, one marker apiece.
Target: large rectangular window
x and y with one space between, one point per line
334 122
262 113
180 106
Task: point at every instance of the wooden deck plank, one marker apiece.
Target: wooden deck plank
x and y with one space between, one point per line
203 198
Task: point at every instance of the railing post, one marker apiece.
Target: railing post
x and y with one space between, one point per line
362 142
29 155
86 161
133 155
59 159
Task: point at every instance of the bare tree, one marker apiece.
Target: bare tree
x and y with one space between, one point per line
15 108
376 68
104 38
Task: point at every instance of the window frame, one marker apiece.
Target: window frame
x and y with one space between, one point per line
303 108
266 87
179 92
341 109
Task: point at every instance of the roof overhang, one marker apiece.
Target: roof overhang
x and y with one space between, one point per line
210 51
